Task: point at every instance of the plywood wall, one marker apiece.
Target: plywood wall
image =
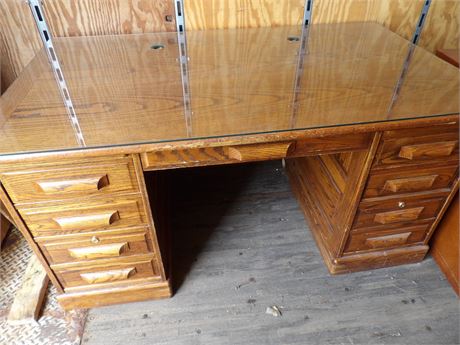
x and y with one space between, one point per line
19 41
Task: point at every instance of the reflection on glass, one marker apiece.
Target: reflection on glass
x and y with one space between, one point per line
129 89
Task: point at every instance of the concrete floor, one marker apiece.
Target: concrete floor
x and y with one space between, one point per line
241 245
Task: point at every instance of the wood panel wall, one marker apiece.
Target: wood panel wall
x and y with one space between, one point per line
19 41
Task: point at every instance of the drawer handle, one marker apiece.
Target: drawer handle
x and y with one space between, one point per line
258 152
108 276
387 241
106 250
88 221
410 184
406 215
432 150
85 183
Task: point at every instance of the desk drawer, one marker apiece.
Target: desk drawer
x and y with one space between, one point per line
107 272
369 240
158 160
399 181
387 211
70 181
95 245
91 215
418 145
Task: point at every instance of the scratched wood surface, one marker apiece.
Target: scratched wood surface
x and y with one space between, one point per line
242 246
19 41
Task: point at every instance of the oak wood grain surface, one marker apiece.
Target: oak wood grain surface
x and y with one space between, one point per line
241 82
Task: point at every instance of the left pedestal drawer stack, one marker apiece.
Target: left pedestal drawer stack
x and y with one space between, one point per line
92 222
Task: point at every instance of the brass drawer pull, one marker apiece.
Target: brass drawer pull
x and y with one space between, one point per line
401 204
409 184
102 251
429 150
81 184
88 221
406 215
388 241
95 240
108 276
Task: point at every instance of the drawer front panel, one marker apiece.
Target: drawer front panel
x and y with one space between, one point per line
402 210
87 216
97 245
399 181
415 146
385 239
214 155
112 273
157 160
66 182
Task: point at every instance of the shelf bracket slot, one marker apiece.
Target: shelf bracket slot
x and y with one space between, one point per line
47 39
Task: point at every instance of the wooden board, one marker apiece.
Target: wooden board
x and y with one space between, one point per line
445 245
29 298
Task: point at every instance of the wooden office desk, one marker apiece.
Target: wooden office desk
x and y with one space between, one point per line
371 148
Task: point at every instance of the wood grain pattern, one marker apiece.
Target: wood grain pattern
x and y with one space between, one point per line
428 150
85 183
92 215
89 18
445 245
379 180
389 210
73 179
70 18
238 79
329 196
29 298
164 159
19 40
88 221
223 14
106 250
442 27
99 298
107 272
108 276
410 184
22 227
5 226
406 215
98 244
371 240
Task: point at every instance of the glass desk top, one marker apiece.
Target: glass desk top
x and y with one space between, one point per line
134 89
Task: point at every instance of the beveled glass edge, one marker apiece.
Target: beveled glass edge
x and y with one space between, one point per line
280 131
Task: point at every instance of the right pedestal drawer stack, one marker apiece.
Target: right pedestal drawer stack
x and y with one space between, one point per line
411 182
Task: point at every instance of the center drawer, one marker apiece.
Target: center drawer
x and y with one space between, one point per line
90 215
94 245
